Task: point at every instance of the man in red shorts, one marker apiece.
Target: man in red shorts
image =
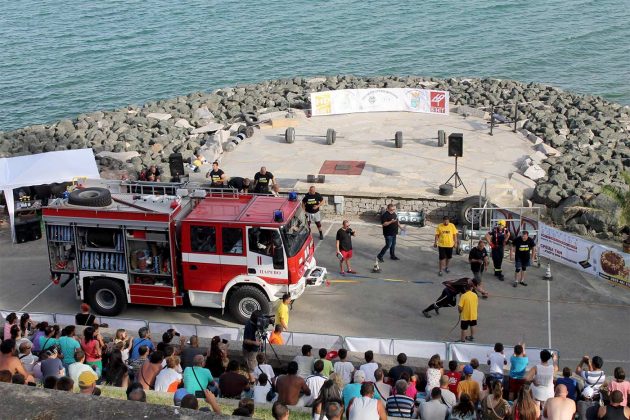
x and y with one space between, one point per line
344 247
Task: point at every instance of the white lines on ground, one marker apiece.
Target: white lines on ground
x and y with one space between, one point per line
325 234
36 296
549 314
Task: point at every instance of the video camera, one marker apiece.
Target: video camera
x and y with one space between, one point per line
265 321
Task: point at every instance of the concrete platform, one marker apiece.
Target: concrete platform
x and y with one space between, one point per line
414 171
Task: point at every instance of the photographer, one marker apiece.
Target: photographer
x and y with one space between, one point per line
251 343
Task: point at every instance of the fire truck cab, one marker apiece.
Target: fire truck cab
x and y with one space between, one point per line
240 252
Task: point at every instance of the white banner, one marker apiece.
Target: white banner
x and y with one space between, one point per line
592 258
465 352
567 249
422 349
346 101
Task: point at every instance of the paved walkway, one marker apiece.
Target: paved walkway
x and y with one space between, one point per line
416 170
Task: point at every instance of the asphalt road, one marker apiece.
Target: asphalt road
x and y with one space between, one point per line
574 313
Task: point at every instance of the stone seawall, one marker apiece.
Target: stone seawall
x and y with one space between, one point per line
591 134
370 207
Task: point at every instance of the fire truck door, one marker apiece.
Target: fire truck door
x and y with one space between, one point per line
266 256
201 264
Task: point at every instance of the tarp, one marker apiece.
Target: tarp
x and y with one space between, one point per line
43 168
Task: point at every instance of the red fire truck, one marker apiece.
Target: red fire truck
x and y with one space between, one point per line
208 249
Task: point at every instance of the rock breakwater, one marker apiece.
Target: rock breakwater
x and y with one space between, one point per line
591 134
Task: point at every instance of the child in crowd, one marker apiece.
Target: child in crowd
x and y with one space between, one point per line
454 376
261 389
263 367
276 336
518 367
343 368
569 382
497 361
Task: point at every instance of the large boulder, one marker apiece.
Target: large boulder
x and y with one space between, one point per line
567 210
547 194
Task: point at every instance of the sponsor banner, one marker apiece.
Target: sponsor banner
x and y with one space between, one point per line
567 249
346 101
589 257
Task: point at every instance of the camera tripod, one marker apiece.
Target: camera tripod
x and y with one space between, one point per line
262 336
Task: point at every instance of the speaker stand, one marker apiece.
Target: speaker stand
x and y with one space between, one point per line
458 180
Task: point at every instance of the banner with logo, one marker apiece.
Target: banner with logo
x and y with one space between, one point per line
589 257
346 101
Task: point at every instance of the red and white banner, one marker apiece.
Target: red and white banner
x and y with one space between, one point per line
346 101
571 250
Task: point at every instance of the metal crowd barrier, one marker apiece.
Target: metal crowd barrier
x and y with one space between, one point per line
461 352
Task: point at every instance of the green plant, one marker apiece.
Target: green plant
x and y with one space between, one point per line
621 197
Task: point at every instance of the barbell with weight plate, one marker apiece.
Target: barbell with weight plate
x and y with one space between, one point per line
331 135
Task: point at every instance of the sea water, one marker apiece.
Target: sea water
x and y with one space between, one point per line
61 58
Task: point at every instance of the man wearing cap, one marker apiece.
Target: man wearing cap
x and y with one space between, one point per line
87 384
469 386
445 241
498 238
468 313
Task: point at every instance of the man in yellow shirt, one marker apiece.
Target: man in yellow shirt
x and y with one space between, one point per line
282 313
468 313
469 386
445 240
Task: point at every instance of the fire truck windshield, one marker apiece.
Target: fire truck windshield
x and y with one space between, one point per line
295 233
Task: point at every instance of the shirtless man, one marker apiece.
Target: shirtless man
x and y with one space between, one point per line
560 407
10 362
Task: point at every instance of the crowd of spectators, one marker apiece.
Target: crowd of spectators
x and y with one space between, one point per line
329 384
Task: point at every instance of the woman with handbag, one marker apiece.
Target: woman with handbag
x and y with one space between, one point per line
494 407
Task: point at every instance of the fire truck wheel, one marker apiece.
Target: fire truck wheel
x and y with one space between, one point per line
245 301
91 197
106 297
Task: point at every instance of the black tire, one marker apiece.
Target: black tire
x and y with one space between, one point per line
107 297
241 129
398 139
250 118
91 197
246 300
331 136
289 135
248 131
466 215
441 138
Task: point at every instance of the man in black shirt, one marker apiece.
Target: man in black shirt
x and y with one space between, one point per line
478 258
251 343
262 181
344 246
239 184
498 238
389 221
216 175
311 203
448 298
524 251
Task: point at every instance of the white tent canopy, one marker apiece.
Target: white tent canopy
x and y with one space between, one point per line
43 168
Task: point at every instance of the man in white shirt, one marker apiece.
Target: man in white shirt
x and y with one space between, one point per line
369 367
434 409
449 398
305 361
77 368
314 383
343 368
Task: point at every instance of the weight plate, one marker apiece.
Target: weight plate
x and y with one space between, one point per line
289 135
398 138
